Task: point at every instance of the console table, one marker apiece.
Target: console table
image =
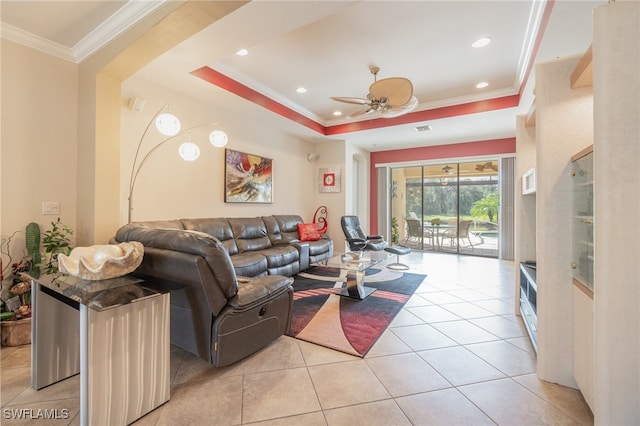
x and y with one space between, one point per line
114 333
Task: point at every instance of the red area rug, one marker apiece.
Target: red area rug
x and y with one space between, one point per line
348 325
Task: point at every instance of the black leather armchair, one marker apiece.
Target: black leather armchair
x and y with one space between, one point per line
357 238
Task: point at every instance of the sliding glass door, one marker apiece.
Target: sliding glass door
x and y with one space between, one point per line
448 207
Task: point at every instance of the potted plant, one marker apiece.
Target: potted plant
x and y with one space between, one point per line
56 240
16 289
395 232
15 324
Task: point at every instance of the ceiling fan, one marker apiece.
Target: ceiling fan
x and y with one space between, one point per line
391 97
487 166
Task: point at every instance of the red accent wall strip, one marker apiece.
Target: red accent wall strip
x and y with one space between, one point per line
429 114
458 150
218 79
214 77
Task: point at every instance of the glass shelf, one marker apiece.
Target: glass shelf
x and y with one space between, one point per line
583 220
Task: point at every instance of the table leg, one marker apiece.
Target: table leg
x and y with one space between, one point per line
355 286
124 355
55 339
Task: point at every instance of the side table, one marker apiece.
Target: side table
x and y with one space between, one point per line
114 333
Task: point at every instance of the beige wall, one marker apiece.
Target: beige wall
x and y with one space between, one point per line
331 154
39 139
169 188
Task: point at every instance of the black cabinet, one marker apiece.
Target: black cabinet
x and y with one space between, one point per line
529 301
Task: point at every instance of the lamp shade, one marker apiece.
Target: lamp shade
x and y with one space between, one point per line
218 138
189 151
168 124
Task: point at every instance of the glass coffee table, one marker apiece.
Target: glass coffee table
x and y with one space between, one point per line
355 264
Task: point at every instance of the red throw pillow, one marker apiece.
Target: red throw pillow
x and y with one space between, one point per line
308 232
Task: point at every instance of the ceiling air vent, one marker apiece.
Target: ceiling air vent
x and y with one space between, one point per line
423 128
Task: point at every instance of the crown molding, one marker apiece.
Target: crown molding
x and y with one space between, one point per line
538 19
17 35
126 17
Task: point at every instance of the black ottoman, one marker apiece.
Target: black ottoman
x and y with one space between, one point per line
398 250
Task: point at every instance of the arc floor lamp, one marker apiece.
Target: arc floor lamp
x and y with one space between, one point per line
169 125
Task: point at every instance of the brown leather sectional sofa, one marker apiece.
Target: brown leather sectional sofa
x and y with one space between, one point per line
230 278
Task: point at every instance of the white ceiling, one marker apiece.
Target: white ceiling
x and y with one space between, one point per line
329 46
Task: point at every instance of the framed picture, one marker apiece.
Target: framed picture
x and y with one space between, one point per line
248 178
329 179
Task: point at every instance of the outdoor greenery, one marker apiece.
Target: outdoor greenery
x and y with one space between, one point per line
478 199
486 207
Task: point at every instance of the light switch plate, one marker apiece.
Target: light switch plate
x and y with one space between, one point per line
50 207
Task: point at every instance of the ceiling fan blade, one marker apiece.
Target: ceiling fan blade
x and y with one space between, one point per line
400 110
350 100
397 90
362 112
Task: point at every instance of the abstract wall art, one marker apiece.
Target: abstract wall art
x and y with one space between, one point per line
248 178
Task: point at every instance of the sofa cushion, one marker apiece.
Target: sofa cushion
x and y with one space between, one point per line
218 227
288 224
320 246
250 264
273 230
280 255
250 234
308 232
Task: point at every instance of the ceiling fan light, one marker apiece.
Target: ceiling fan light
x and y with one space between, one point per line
218 138
189 151
168 124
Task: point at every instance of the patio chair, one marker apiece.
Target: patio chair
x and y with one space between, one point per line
456 235
416 232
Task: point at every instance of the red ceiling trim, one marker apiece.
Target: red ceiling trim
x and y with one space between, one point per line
429 114
214 77
218 79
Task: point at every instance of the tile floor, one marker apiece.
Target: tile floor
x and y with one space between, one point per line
456 354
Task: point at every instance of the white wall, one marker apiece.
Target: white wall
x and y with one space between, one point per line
39 140
564 126
616 90
169 188
525 205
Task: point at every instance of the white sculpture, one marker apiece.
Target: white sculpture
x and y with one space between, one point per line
101 262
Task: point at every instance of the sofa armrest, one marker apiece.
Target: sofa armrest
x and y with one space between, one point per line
253 292
194 244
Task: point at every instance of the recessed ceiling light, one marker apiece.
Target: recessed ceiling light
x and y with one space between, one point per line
481 42
337 113
424 128
301 90
482 85
242 52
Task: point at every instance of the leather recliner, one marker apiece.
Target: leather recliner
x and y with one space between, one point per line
357 239
215 314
